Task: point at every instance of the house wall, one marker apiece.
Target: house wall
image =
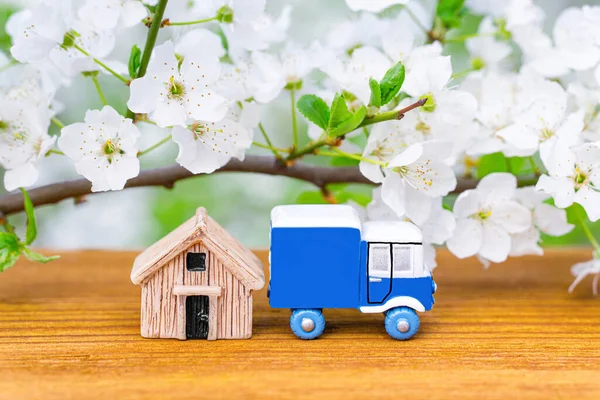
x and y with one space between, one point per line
163 314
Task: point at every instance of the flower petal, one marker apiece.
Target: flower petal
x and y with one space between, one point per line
561 189
163 63
497 187
467 204
133 13
511 216
551 220
206 106
393 193
23 176
467 238
410 155
496 243
590 200
525 243
145 94
170 113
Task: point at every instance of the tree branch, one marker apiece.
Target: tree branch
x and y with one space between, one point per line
167 176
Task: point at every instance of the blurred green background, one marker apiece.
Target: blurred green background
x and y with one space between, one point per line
240 202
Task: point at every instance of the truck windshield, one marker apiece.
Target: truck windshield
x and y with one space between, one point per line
402 255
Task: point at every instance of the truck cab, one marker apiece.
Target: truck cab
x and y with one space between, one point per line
323 256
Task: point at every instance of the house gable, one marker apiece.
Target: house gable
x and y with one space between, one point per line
241 262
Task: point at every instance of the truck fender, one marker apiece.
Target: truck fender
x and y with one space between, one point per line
401 301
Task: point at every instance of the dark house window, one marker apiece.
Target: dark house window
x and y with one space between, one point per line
196 262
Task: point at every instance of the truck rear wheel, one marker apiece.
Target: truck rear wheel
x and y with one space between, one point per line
307 323
402 323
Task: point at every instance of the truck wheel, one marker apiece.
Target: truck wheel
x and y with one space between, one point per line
307 323
402 323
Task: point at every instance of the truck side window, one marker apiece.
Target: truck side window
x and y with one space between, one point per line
379 258
402 258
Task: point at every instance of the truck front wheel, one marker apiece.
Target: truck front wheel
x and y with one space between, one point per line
307 323
402 323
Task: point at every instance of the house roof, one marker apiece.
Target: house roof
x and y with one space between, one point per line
239 260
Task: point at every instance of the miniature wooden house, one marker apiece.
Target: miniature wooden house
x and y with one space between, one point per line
197 283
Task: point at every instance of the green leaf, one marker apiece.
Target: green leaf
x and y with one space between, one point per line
344 162
375 93
449 12
519 165
135 59
31 224
8 259
314 109
392 83
341 193
339 111
10 250
490 163
37 257
9 241
350 124
312 197
359 198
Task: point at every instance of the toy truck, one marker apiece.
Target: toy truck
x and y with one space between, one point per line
322 256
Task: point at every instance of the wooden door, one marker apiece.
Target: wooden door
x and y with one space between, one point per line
196 317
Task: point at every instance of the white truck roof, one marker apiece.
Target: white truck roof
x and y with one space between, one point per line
344 216
392 231
315 215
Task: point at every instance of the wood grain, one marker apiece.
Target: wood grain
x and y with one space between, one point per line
70 330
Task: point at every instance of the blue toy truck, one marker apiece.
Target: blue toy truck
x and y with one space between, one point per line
322 256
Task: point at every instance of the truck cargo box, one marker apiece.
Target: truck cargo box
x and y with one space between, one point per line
315 255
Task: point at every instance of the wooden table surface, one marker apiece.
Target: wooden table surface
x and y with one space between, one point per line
69 330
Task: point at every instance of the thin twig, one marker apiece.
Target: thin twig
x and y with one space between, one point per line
294 118
100 63
99 90
150 42
57 122
154 146
268 140
167 22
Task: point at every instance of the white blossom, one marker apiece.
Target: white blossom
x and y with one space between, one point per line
171 94
187 44
24 141
575 178
38 31
540 111
103 148
486 218
240 21
352 74
587 100
545 218
109 14
206 146
485 50
437 228
583 269
495 94
367 30
373 6
415 176
428 77
98 44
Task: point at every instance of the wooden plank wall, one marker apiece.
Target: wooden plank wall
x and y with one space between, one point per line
234 306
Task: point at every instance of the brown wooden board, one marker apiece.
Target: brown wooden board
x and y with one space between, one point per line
70 330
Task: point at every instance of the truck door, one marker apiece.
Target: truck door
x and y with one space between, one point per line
379 272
